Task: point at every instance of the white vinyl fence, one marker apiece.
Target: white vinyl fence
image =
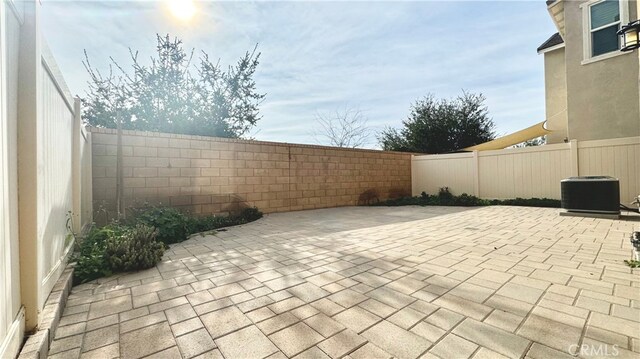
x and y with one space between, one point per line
56 133
531 171
11 314
45 172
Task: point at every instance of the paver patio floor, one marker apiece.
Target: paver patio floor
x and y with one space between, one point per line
372 282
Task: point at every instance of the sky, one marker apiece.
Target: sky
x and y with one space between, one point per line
320 56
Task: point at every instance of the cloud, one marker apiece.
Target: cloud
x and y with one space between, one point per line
319 56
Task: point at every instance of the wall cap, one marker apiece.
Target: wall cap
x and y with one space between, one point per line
112 131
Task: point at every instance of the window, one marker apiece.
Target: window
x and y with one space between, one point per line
604 23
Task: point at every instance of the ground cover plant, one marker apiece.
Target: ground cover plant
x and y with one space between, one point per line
446 198
632 263
140 241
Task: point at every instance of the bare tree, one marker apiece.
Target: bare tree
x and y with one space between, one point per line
110 95
346 127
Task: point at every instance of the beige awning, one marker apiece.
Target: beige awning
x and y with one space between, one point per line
528 133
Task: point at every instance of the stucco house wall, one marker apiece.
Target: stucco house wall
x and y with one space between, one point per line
555 87
602 96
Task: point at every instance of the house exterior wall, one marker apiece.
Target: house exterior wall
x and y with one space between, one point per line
555 85
603 98
208 175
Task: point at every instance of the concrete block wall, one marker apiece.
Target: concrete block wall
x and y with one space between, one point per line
206 175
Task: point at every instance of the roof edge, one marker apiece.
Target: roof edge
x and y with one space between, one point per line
553 41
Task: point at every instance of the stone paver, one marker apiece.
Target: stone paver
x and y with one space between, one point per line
370 351
246 343
224 321
356 319
551 333
371 282
195 343
397 341
324 325
342 343
145 341
492 338
295 339
454 347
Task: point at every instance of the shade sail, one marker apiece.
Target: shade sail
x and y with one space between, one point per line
528 133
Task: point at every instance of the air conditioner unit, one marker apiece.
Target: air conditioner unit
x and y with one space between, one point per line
591 194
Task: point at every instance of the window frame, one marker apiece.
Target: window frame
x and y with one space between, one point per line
587 32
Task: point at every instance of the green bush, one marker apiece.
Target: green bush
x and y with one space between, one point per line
116 248
208 223
139 243
90 260
97 237
446 198
531 202
172 225
136 249
90 266
250 214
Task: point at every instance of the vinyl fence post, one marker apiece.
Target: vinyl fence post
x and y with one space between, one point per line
76 166
29 107
575 170
414 178
476 174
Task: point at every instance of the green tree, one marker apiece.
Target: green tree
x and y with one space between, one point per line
172 95
538 141
441 125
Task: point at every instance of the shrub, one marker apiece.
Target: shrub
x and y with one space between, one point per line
250 214
446 198
90 260
466 200
136 249
140 242
172 225
207 223
116 248
532 202
97 237
90 266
